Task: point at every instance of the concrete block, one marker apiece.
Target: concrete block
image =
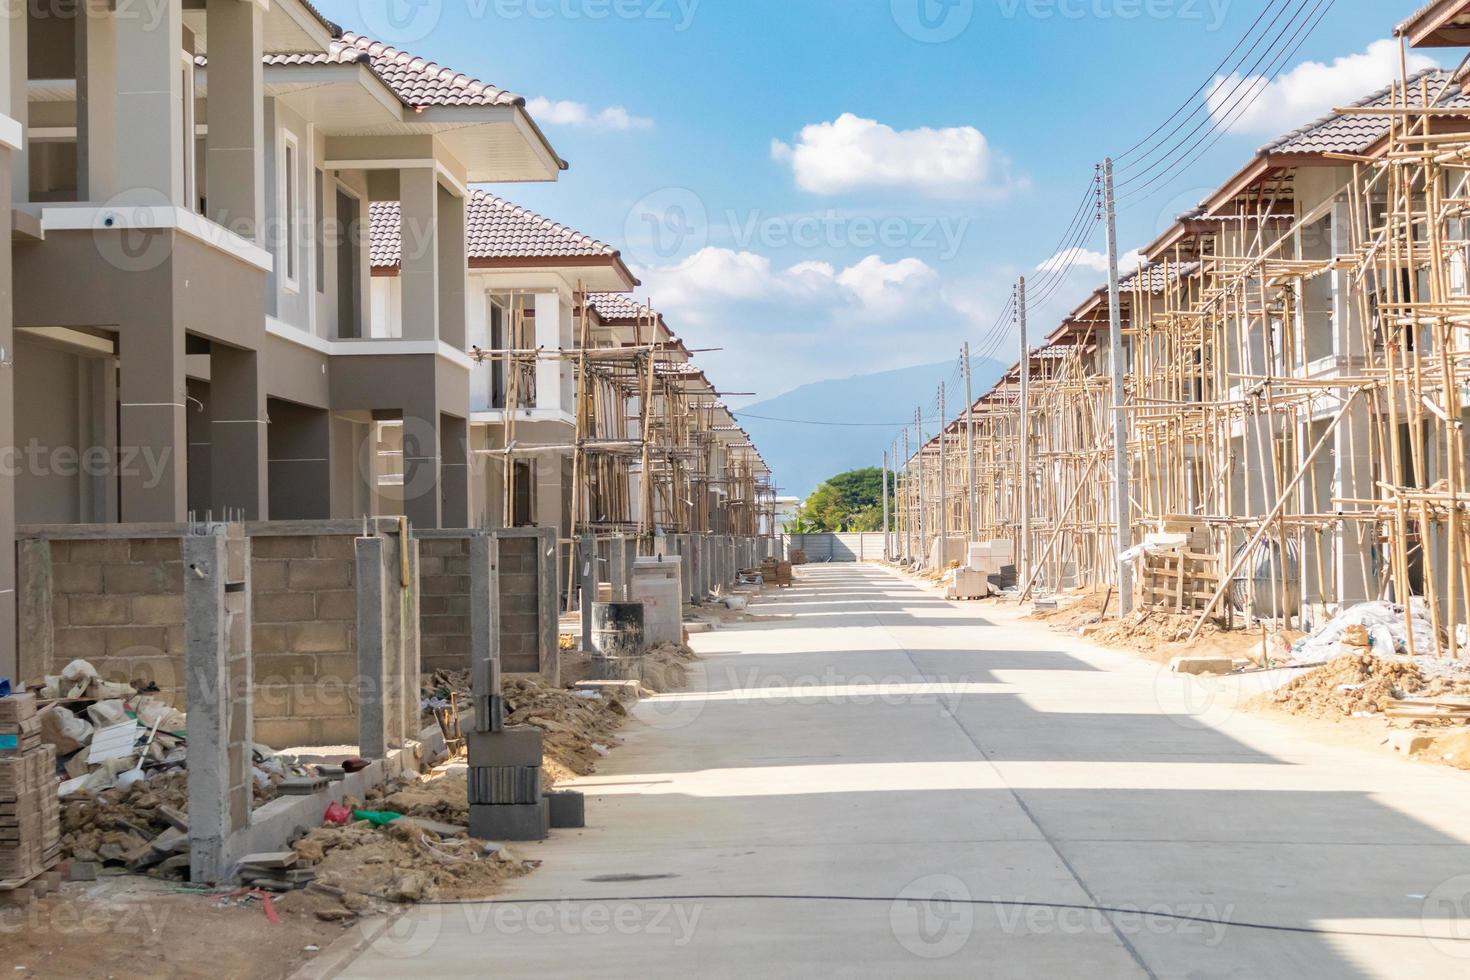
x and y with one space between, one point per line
518 746
1409 741
72 579
153 578
155 549
285 607
101 610
159 610
312 574
100 550
516 822
568 809
1201 665
337 604
272 546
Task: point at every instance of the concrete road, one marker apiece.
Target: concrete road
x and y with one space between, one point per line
879 783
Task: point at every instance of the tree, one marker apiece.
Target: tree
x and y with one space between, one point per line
851 501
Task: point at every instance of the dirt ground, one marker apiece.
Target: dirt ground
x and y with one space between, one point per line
125 925
1355 685
1155 636
130 926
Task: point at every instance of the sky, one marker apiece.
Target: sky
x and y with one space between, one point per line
823 188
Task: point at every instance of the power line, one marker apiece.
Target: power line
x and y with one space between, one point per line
1242 84
1304 31
1203 85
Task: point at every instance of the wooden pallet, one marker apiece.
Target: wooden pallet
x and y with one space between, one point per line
24 891
1179 583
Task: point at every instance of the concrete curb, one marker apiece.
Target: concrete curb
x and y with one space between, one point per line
341 951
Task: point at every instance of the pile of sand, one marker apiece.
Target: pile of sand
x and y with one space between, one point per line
666 667
578 730
1356 684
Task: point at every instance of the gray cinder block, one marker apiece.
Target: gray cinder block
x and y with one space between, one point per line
519 746
517 822
568 808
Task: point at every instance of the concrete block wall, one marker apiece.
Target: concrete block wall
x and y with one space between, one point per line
527 566
306 600
111 595
305 636
444 581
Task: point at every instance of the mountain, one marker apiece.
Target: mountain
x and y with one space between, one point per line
802 455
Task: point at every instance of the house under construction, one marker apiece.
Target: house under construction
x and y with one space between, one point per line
1296 352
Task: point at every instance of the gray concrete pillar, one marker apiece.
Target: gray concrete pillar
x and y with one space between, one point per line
453 267
218 690
153 442
13 103
239 468
454 472
7 438
299 460
150 106
234 146
418 276
485 636
421 477
548 590
406 615
372 647
97 101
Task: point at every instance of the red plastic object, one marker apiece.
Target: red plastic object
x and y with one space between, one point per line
337 814
355 765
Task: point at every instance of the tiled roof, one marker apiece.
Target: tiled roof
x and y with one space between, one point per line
618 306
494 229
1151 277
416 81
1352 133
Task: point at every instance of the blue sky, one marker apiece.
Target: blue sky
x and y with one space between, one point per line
831 187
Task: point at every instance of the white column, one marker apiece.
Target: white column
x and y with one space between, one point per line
1351 454
548 336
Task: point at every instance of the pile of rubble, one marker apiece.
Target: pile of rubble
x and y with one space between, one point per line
121 753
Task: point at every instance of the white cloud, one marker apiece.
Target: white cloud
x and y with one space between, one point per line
1084 258
708 280
564 113
853 153
779 326
1307 92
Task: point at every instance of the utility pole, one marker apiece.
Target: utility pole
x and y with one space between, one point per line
970 447
943 526
1023 540
919 456
906 514
885 503
1121 493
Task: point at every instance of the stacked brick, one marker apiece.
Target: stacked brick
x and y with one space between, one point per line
30 813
